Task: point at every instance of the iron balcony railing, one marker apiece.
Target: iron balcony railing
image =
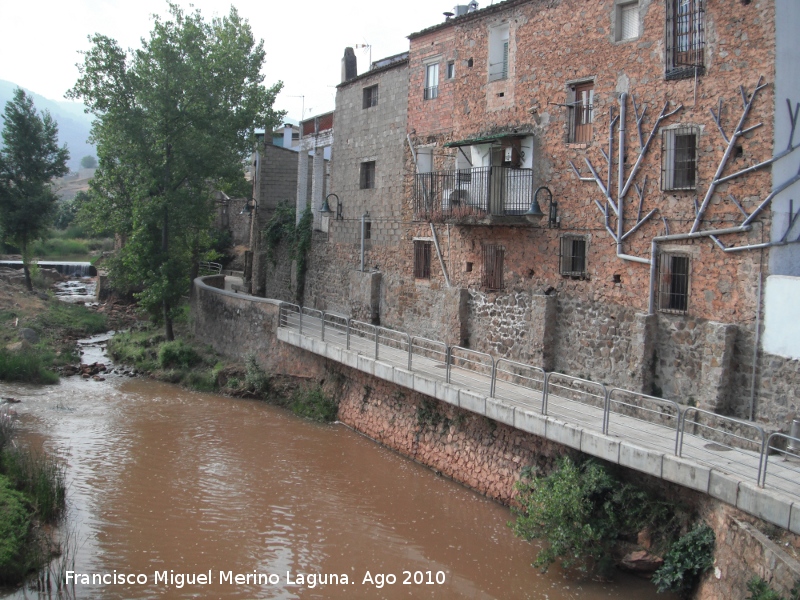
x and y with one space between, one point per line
690 432
478 192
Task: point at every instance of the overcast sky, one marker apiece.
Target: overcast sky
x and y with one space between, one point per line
304 41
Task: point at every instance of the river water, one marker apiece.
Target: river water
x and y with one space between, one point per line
167 484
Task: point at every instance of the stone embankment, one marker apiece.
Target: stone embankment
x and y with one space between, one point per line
474 450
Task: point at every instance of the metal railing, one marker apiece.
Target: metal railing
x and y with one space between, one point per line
209 268
712 434
741 447
465 193
786 472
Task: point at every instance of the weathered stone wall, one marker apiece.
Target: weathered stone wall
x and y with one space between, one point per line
275 183
238 325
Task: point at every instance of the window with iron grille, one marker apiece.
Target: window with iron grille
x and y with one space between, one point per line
685 38
679 158
580 113
422 259
627 25
451 70
573 256
493 266
370 97
673 283
431 81
498 52
367 175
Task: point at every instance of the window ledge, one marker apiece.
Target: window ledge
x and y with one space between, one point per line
576 146
683 73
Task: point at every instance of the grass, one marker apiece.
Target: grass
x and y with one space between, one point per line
25 365
70 243
32 492
312 403
70 319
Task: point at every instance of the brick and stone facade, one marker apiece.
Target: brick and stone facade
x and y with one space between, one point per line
599 323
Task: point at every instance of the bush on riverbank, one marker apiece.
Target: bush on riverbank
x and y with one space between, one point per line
32 491
583 511
25 365
312 403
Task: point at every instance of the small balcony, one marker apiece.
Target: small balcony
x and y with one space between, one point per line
483 195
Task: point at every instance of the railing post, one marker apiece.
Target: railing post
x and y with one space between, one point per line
682 427
494 377
545 391
761 459
348 334
322 333
606 410
301 320
376 343
447 364
408 337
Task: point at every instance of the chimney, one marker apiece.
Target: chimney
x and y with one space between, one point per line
287 135
349 65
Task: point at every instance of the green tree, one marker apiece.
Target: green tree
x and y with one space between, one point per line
29 160
88 162
174 122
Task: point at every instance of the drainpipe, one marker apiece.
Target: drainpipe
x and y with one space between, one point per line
439 254
677 237
621 174
363 233
755 349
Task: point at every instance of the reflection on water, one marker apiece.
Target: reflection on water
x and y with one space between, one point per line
162 480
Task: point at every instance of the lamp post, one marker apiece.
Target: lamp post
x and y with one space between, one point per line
534 214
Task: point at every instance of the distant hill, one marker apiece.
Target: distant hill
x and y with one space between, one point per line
73 123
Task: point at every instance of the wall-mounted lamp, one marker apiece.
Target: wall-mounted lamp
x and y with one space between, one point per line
325 209
249 207
534 214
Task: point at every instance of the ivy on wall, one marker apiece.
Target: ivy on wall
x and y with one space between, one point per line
280 229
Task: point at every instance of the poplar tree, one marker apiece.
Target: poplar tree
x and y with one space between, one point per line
174 122
29 160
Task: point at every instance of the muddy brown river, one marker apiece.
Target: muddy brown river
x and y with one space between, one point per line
177 494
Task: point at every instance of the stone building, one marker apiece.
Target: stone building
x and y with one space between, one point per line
603 189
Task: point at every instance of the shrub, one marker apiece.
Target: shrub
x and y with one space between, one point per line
687 560
15 523
40 477
25 365
581 510
256 379
760 590
312 403
177 354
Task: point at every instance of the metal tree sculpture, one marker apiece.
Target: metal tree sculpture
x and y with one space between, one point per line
624 184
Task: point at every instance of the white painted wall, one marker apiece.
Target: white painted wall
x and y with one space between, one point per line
782 316
785 260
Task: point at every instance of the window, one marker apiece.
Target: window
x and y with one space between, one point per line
422 260
498 53
493 267
627 26
673 283
370 97
451 70
431 81
573 256
580 112
367 230
368 175
685 38
679 158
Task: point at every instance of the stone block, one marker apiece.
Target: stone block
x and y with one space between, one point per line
319 347
404 378
500 411
306 343
350 358
685 473
334 352
564 433
599 445
384 370
447 393
764 504
531 421
472 402
640 459
794 519
423 385
366 364
723 487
